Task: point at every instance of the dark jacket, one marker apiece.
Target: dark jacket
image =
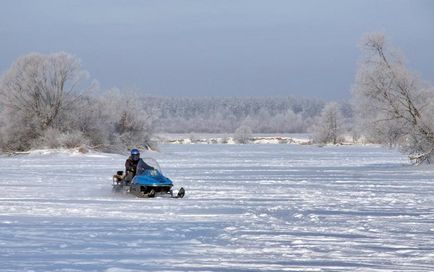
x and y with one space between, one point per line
131 166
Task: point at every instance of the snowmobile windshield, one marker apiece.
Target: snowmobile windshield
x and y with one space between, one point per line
148 166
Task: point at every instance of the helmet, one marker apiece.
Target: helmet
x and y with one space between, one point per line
135 154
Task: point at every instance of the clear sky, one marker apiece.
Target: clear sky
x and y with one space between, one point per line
220 47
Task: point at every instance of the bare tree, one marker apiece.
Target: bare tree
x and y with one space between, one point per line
329 126
42 85
393 104
36 92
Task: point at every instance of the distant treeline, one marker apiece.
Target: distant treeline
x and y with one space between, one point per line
226 114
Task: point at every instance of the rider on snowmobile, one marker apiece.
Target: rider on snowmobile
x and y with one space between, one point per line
134 165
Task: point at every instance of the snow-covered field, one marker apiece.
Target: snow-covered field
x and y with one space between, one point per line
247 208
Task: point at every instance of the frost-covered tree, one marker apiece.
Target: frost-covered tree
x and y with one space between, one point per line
393 105
36 93
329 127
44 103
128 124
243 134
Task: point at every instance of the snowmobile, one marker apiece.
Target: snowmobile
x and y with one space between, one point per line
149 182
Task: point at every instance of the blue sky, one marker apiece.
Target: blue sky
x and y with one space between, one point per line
221 47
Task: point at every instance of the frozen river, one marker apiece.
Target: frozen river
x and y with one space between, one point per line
247 208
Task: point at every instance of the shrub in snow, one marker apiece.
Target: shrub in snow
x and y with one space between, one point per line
243 135
49 139
329 126
73 139
225 140
193 138
53 138
125 121
15 137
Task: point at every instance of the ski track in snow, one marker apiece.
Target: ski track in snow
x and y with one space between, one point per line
247 208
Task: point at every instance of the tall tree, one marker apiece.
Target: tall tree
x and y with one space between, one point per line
42 86
393 105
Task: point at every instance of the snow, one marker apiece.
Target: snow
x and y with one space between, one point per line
247 208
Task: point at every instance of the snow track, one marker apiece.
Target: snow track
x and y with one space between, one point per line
247 208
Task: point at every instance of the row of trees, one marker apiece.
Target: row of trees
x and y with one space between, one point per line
226 114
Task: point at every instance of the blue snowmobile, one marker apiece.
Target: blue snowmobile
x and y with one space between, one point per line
148 182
